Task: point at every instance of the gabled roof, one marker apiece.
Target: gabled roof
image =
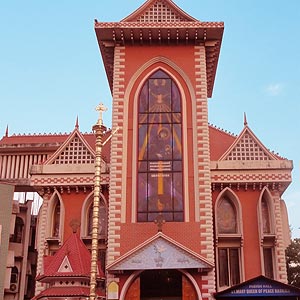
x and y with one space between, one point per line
73 259
165 10
248 147
160 252
75 149
260 286
219 141
160 22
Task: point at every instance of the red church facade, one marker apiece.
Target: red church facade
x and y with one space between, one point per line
186 210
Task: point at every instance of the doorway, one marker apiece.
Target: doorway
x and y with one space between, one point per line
161 285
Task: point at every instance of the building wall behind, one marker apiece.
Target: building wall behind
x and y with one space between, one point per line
6 197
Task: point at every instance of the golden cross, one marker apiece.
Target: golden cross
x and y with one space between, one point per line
101 109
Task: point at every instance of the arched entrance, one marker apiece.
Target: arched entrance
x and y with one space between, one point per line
161 285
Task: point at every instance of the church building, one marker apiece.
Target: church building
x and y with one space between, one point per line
187 210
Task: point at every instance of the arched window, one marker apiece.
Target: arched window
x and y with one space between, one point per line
102 219
160 179
227 217
265 215
56 220
267 235
228 229
18 231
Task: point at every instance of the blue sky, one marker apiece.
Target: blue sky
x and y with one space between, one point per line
51 69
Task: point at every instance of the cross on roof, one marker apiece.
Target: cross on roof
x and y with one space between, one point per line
159 221
101 109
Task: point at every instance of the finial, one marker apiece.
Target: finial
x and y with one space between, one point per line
6 131
75 224
159 221
77 124
101 109
245 119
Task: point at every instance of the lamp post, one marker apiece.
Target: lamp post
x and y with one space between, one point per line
98 129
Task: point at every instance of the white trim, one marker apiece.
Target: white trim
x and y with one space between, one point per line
237 244
52 204
134 275
84 212
266 194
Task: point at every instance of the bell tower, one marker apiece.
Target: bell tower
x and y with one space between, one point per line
161 64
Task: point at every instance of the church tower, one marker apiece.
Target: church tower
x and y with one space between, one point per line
161 65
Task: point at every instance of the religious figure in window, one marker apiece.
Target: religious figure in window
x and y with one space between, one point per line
56 220
160 150
226 217
265 216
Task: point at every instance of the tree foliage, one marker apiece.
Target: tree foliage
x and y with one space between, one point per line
293 262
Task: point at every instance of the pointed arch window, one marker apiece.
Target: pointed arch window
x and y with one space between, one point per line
229 249
56 220
265 215
102 219
267 236
227 217
159 170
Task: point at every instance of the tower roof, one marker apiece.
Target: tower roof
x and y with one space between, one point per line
160 22
73 259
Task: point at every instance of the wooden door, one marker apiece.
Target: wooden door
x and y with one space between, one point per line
188 290
133 292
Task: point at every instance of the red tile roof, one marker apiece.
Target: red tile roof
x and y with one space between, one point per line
219 141
67 291
49 142
78 256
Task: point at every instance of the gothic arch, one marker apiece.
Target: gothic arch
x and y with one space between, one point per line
265 211
229 237
85 213
55 224
130 280
229 194
183 83
266 229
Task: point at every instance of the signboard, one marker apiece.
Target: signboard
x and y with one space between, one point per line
260 287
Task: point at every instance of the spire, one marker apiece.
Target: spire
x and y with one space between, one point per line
245 119
77 123
6 131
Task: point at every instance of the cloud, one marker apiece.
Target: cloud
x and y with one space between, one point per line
274 89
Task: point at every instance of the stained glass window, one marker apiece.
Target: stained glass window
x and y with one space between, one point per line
160 188
227 218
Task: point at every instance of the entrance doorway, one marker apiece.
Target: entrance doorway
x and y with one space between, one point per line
161 285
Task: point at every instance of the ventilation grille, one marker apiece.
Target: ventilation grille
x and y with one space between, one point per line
247 149
159 12
75 153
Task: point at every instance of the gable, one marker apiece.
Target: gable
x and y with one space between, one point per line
75 150
247 147
159 11
65 266
160 252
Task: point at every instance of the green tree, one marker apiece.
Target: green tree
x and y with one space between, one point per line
292 253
